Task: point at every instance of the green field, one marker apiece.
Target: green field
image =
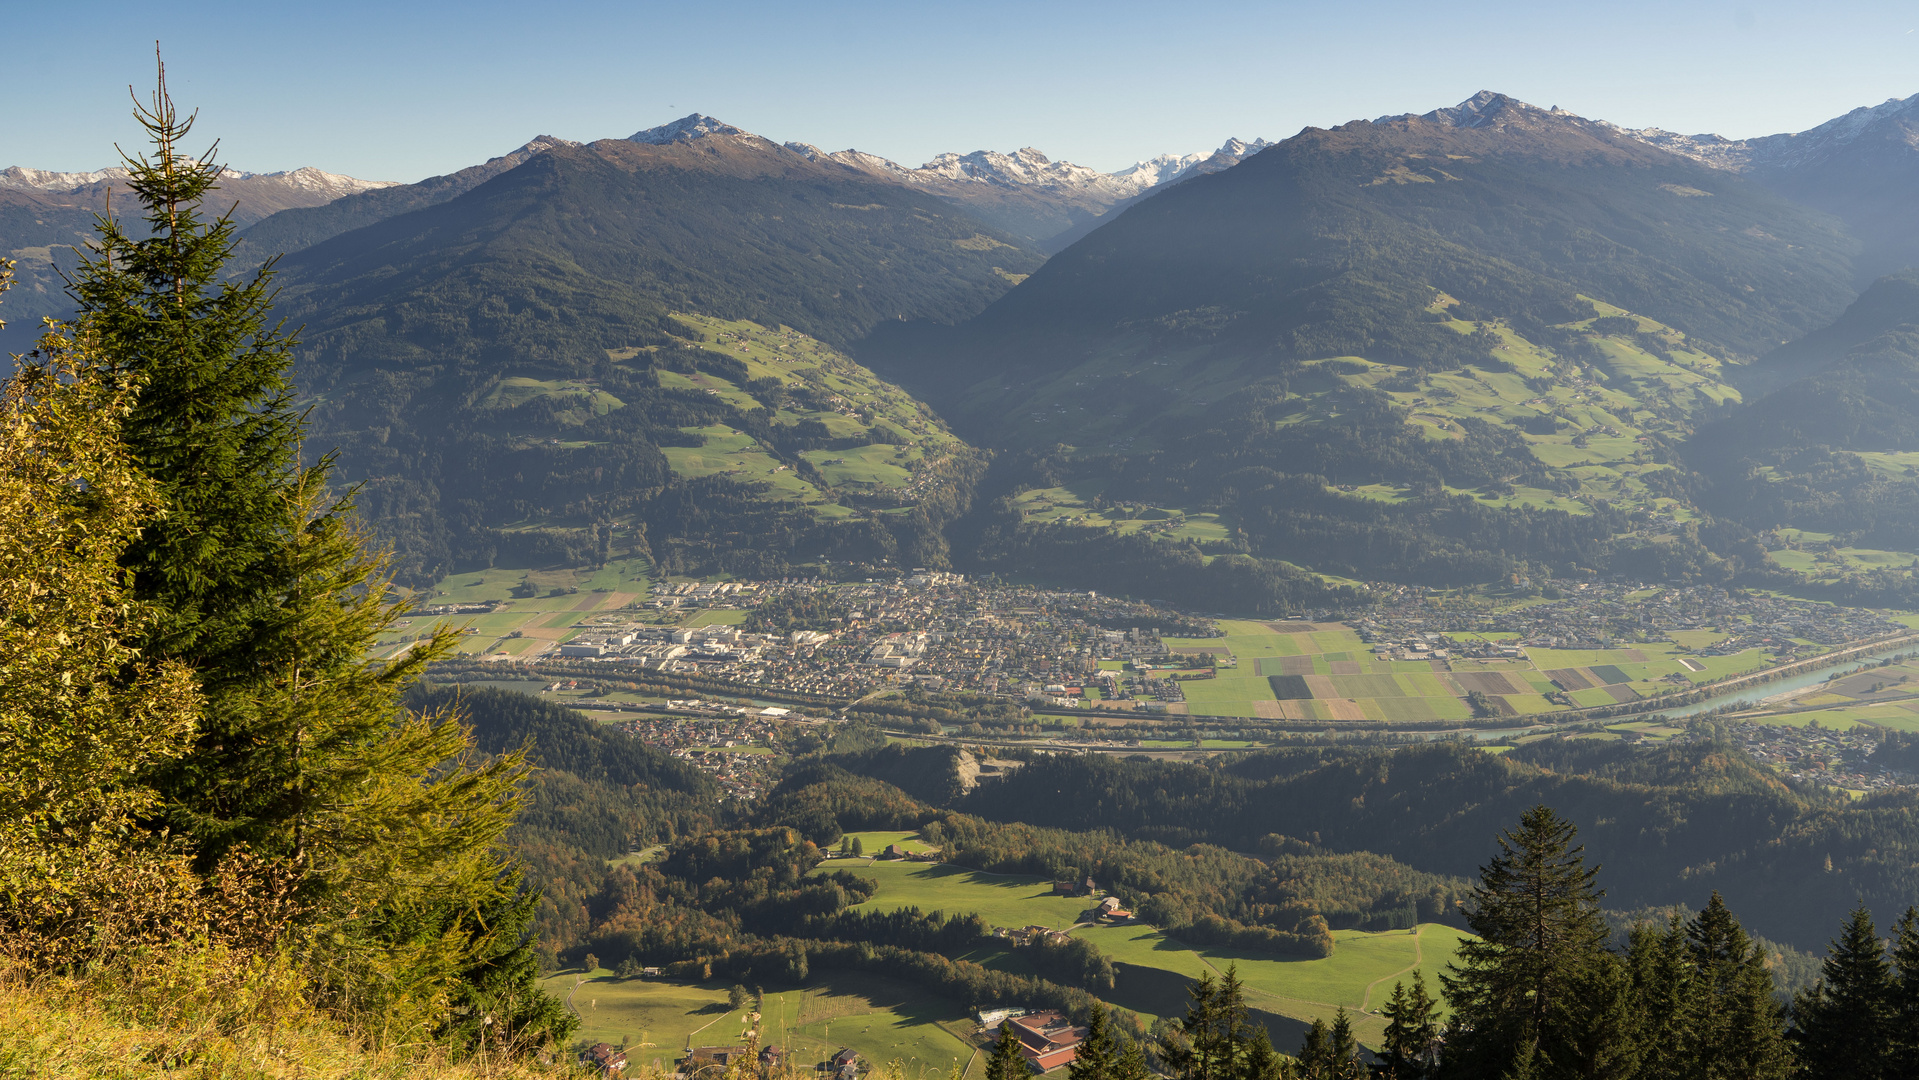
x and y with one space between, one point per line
1011 900
885 1020
1292 670
523 626
1157 969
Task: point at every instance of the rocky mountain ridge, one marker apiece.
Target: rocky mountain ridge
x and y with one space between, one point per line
1894 122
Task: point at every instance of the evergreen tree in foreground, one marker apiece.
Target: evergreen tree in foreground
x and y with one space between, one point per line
1905 1000
1411 1046
259 582
1107 1054
1097 1056
1006 1062
1732 1025
1537 993
1331 1052
1842 1025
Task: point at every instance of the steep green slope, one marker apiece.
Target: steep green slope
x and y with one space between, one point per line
1325 347
509 372
727 446
1826 465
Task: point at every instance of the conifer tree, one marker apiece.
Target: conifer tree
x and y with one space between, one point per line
1412 1032
82 714
261 583
1260 1061
1343 1048
1732 1027
1316 1051
1841 1025
1097 1055
1132 1062
1213 1034
1905 1004
1661 974
1006 1062
1537 990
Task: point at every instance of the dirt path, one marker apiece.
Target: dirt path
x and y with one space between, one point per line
1419 955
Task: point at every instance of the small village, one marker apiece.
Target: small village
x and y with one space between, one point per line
934 630
1820 755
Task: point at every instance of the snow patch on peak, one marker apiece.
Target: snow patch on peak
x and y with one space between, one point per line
1894 122
1714 150
686 129
332 185
1021 167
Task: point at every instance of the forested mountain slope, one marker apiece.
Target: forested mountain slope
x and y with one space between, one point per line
1437 348
520 354
1824 460
1668 826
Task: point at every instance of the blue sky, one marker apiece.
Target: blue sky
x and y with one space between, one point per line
402 90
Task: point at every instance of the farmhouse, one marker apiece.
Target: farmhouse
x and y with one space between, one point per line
603 1059
1048 1039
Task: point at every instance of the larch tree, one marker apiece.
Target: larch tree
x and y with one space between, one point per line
83 715
259 581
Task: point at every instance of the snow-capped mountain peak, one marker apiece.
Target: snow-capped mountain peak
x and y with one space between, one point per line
1893 122
686 129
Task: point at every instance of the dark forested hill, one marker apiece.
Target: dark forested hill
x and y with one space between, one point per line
1667 826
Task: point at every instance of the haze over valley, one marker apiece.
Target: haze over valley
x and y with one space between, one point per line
1430 596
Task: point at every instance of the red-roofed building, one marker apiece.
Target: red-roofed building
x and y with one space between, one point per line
1048 1039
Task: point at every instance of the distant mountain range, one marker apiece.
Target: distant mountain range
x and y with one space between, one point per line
1486 342
1862 167
44 214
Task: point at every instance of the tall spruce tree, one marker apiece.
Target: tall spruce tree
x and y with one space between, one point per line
1842 1025
1537 992
1732 1027
1660 970
260 582
1213 1034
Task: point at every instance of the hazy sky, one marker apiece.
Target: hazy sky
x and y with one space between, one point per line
402 90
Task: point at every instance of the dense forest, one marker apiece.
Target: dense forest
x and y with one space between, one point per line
1665 823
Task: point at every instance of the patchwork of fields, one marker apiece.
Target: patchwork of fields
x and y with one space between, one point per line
524 627
1293 670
